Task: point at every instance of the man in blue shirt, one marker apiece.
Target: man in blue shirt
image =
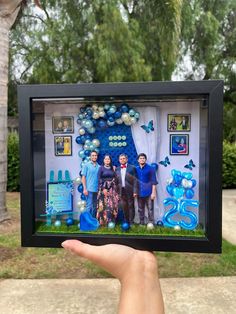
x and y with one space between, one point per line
90 183
147 188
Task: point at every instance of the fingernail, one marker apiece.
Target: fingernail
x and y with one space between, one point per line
65 244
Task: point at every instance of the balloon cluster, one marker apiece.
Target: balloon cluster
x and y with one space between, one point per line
93 117
181 184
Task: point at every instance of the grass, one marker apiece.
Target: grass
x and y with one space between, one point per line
18 262
134 230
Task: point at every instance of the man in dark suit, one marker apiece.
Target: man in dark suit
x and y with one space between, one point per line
127 187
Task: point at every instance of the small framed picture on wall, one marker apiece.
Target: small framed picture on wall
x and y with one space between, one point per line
179 122
63 146
63 124
179 144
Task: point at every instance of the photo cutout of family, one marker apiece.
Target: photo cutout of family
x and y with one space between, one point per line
111 191
179 123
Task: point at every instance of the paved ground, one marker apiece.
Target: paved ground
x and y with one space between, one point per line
215 295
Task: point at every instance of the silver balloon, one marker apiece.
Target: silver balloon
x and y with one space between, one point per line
96 142
133 120
169 181
88 124
81 131
92 130
96 115
94 107
100 108
77 180
132 112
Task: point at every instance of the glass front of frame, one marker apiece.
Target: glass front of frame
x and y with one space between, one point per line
164 197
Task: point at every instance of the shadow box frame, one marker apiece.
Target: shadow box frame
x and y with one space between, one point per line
212 91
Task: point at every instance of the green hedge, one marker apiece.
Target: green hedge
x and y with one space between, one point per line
13 180
229 165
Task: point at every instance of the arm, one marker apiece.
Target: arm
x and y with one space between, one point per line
154 183
136 271
135 183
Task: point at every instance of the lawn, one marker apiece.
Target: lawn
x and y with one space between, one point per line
18 262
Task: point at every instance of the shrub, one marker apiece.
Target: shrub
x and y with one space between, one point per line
229 165
13 180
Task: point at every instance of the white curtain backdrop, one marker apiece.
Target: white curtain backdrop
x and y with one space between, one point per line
147 143
144 142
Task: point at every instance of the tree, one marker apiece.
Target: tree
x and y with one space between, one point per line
8 13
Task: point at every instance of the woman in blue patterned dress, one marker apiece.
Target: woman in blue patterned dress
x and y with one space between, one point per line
108 199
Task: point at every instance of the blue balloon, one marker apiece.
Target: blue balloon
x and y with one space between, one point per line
57 223
102 124
125 226
124 108
168 222
194 182
169 189
80 188
82 109
89 112
175 172
81 154
155 166
189 214
69 222
106 106
87 152
178 178
189 193
79 139
87 137
160 223
178 192
83 197
80 173
117 115
187 175
109 113
111 119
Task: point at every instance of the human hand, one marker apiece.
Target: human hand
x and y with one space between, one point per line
136 270
153 196
85 192
135 195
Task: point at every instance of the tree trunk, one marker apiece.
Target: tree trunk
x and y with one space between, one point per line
8 13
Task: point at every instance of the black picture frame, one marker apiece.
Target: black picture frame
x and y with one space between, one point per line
179 144
210 91
175 122
63 145
62 125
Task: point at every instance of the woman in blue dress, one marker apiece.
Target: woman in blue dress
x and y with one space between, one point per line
108 199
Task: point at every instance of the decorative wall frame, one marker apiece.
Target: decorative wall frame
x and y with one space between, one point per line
187 210
179 122
179 144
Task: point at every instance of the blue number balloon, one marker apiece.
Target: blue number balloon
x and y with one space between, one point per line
168 222
189 214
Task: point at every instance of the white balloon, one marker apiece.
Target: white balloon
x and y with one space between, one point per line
169 181
96 115
125 116
185 183
81 131
119 121
150 226
133 120
96 142
102 114
77 180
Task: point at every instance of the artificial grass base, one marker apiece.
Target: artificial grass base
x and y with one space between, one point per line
136 229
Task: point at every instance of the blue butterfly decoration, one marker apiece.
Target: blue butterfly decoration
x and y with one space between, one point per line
190 165
165 162
148 128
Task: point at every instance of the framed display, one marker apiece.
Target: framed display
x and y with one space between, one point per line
150 154
179 122
179 144
63 124
63 145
